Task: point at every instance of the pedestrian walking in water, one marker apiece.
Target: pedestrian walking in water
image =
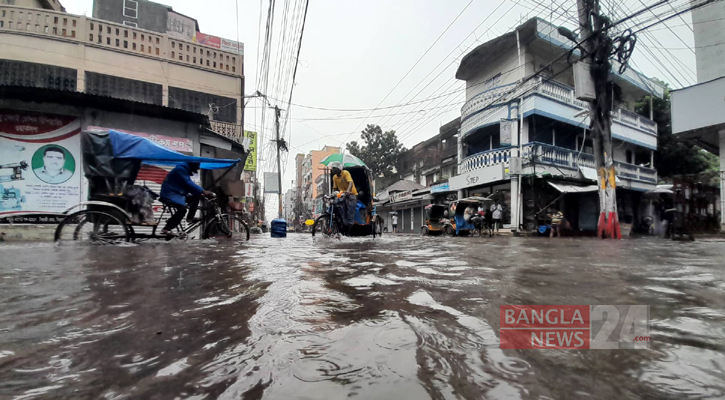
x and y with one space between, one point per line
497 215
556 220
395 223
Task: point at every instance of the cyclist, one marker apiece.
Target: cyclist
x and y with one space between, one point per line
178 191
342 181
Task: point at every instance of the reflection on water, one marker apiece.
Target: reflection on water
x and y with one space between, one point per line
403 317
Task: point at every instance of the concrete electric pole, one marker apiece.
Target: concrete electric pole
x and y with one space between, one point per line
596 49
279 160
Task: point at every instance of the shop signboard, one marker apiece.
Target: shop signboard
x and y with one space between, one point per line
402 196
440 188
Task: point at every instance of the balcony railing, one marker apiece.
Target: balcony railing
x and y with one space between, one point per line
547 154
485 159
636 172
109 35
544 87
540 153
228 130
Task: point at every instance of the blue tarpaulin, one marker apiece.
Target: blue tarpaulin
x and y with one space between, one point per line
139 148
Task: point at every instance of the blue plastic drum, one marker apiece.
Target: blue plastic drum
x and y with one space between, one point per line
279 228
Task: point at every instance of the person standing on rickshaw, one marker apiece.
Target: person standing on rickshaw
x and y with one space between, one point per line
181 194
342 181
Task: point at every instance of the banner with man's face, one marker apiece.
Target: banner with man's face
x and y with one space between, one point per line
40 162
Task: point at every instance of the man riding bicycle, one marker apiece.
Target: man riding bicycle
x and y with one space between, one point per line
178 191
342 181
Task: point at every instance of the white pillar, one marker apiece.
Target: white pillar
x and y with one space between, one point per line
722 181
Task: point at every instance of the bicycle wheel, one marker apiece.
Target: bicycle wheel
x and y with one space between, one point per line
324 227
236 227
217 228
92 228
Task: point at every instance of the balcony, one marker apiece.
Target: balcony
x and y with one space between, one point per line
559 100
485 159
544 154
108 35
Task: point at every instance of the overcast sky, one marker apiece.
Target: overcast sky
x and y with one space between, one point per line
355 52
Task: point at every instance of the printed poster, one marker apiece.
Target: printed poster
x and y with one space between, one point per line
251 164
40 162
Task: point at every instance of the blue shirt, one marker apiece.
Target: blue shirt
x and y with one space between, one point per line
178 185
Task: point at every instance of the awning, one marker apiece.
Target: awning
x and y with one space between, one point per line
126 146
476 199
566 188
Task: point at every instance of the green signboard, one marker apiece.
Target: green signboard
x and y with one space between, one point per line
251 164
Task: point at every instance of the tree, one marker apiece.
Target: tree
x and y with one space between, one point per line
380 151
674 156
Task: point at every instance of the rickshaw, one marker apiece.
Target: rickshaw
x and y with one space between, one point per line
331 221
461 227
120 211
437 221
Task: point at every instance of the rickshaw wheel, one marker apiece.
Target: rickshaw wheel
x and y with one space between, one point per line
91 227
323 227
424 231
448 230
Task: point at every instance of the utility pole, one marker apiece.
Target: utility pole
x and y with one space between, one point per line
279 159
597 48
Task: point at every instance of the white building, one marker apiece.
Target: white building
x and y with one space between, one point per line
708 25
553 144
698 112
290 199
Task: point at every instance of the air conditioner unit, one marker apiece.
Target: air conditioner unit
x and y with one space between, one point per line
515 166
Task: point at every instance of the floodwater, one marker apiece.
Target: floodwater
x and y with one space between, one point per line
402 317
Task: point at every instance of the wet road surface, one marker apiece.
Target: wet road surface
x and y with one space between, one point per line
402 318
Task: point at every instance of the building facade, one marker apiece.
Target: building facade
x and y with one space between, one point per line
708 27
434 160
522 128
61 74
52 49
698 112
311 173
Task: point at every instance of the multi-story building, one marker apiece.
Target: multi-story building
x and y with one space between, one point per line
62 73
698 114
47 48
290 198
523 129
309 171
433 160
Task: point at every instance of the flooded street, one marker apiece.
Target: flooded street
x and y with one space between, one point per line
402 317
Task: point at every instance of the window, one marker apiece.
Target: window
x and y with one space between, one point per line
629 157
493 82
133 24
130 9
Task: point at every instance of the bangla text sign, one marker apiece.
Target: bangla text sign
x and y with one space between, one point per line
251 164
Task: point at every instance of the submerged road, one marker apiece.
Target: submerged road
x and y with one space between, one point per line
402 317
